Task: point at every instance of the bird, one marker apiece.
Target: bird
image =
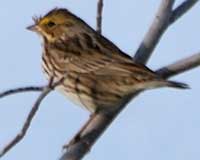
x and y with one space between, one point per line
97 74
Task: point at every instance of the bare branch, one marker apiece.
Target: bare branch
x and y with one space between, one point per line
164 18
99 16
27 123
22 133
88 137
181 10
21 89
152 37
100 122
180 66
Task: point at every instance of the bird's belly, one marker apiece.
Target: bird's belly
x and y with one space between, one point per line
86 103
80 100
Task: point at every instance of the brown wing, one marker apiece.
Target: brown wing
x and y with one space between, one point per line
106 86
120 78
105 64
100 58
108 63
97 59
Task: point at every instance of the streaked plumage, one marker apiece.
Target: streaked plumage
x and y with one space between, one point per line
98 74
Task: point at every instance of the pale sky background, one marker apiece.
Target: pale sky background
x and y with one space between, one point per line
162 124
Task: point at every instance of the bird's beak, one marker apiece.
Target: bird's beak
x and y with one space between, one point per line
33 28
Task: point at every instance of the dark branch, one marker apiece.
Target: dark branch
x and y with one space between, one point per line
99 16
181 10
20 90
20 136
91 133
27 123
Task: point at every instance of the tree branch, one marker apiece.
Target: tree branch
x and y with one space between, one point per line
163 19
180 66
21 89
181 10
27 123
156 30
101 121
99 16
22 133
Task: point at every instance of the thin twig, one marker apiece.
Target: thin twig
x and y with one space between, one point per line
100 122
27 123
181 10
22 133
155 32
180 66
21 89
99 16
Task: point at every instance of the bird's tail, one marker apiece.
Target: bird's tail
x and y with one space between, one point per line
161 83
178 85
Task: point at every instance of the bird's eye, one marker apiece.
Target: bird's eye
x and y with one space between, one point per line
51 24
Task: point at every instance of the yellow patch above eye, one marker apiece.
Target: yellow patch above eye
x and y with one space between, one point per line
44 21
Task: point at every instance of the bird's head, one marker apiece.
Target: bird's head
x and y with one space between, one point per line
54 24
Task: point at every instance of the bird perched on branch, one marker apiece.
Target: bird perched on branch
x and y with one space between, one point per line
97 74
